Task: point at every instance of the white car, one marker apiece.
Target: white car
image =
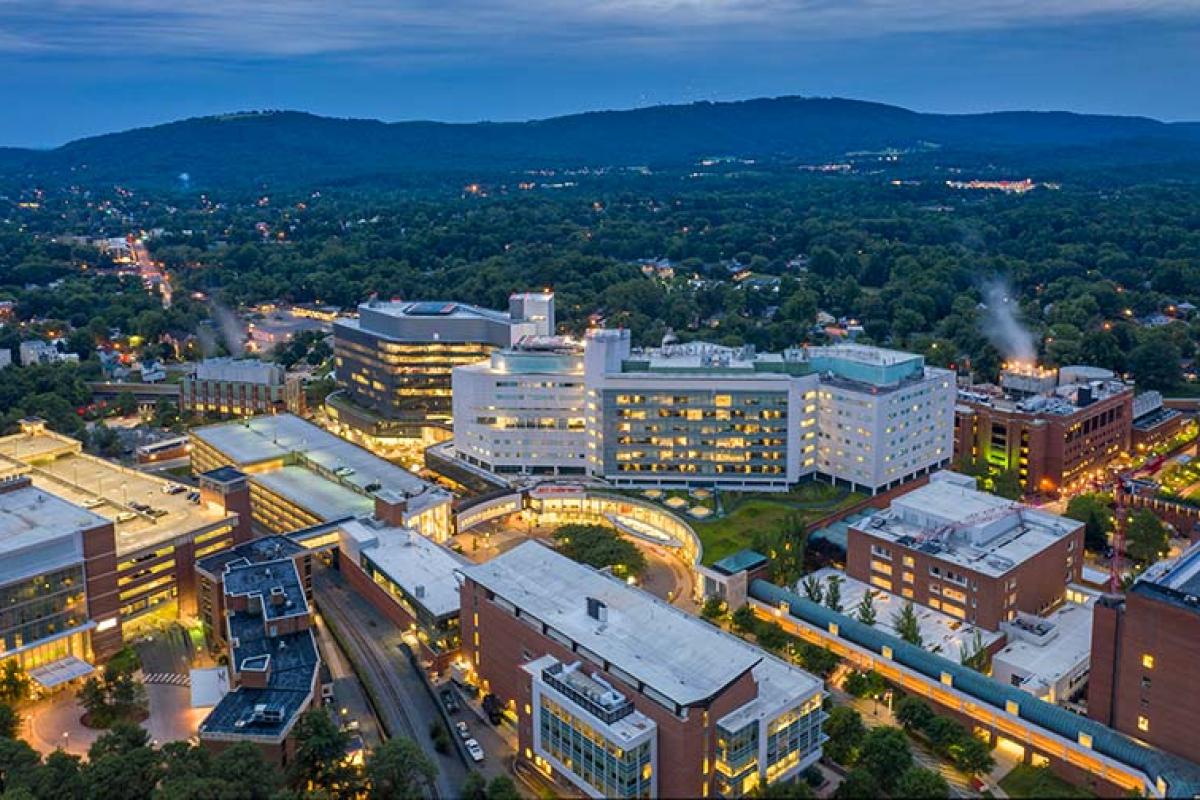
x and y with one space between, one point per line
474 748
464 732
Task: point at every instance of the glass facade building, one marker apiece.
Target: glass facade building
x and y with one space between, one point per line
42 607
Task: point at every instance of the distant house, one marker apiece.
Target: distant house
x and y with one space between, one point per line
36 351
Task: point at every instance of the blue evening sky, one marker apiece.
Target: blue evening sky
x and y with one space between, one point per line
71 68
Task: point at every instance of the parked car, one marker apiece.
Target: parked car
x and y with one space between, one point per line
475 749
448 701
464 732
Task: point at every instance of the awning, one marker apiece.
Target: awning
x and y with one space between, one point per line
59 672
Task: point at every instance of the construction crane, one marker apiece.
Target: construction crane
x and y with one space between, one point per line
1114 566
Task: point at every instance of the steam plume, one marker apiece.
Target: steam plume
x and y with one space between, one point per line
231 329
1001 326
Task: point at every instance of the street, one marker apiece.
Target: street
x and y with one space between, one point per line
374 645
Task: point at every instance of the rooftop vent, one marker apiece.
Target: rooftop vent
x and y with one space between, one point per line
597 609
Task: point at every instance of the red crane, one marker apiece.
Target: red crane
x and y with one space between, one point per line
1114 567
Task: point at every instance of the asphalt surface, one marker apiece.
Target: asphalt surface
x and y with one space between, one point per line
373 645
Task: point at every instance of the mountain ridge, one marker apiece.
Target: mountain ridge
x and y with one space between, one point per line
285 146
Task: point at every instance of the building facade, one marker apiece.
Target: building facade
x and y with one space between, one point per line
1052 432
521 412
701 414
1145 647
158 528
969 554
394 361
274 665
240 388
625 696
300 475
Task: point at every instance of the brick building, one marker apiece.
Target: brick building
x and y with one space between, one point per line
266 623
1145 648
230 387
972 555
1052 429
624 695
156 530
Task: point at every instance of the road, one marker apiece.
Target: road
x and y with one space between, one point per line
349 698
374 645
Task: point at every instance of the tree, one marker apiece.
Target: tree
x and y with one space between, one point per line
600 547
17 763
125 404
502 787
913 713
714 608
398 768
974 654
942 732
1094 512
14 683
1006 484
10 721
474 787
906 624
784 790
320 760
1146 539
846 731
817 659
866 609
972 756
61 777
744 620
1155 364
859 784
921 784
813 589
771 636
885 754
833 595
122 764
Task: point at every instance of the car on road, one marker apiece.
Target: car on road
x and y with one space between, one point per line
475 749
448 701
464 732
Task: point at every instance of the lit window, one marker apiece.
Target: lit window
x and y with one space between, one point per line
1147 661
1143 724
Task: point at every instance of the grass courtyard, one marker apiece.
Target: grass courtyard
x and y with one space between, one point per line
1029 781
746 513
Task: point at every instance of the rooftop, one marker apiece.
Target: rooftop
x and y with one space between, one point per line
426 571
323 497
240 370
38 531
1175 581
940 633
57 465
255 551
675 653
276 584
288 439
950 520
434 321
1044 663
1182 776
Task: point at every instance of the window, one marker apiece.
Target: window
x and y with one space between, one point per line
1143 724
1147 661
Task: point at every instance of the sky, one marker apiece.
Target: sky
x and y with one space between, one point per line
73 68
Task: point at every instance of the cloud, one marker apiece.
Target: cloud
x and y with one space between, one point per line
464 29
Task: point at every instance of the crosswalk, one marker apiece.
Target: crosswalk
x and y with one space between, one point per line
171 678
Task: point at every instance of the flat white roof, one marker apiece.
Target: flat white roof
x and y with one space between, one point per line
1046 664
421 567
279 436
56 465
958 524
940 633
30 516
310 491
676 654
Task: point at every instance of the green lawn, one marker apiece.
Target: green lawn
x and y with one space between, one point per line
1029 781
746 514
